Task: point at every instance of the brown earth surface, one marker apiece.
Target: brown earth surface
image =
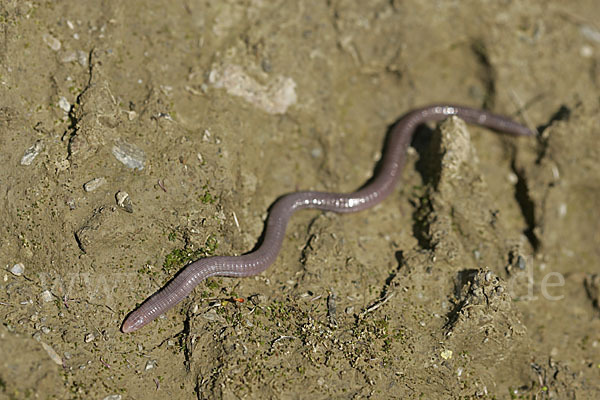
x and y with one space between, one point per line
478 278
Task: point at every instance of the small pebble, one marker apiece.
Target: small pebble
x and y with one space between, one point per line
212 315
68 57
45 330
17 269
131 115
51 353
562 210
89 337
94 184
446 354
274 97
149 365
32 152
513 178
586 51
521 263
82 57
51 41
71 204
64 104
590 33
46 296
124 201
130 155
113 397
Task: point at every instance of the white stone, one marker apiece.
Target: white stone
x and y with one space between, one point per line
64 104
51 41
46 296
17 269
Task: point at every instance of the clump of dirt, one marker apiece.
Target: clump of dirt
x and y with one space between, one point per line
137 137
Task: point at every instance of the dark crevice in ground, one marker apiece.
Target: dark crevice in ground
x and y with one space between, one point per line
562 114
186 341
488 74
422 220
421 142
79 242
308 245
428 166
464 278
527 206
385 293
524 200
72 129
390 279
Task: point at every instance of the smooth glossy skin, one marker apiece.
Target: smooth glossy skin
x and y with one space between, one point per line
372 193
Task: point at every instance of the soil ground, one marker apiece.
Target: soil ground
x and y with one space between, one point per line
477 278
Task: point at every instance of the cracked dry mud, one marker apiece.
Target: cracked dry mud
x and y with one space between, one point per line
477 278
